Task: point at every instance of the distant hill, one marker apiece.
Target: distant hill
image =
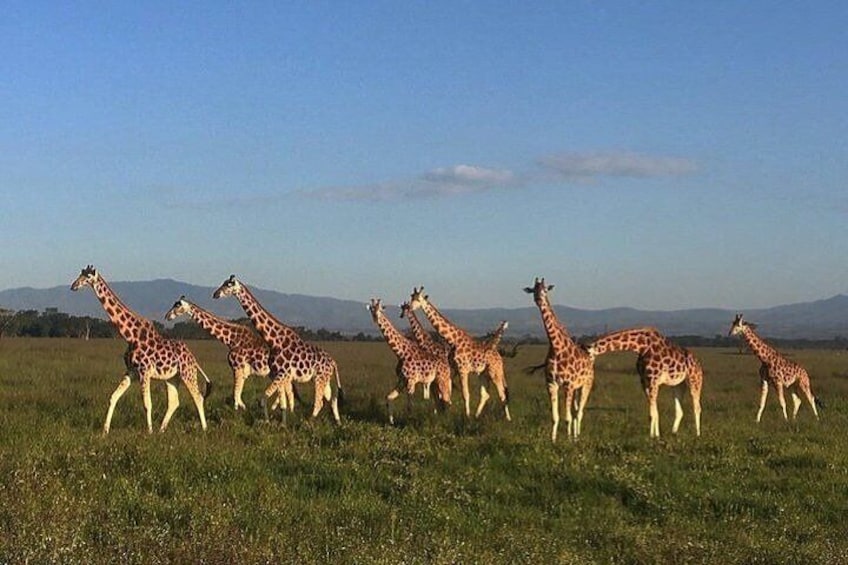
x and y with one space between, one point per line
821 319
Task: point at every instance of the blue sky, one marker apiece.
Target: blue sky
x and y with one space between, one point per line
657 155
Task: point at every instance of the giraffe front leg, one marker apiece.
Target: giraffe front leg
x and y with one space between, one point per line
148 403
484 395
269 392
113 400
466 393
239 377
763 396
173 402
584 398
553 392
782 399
796 404
652 393
678 407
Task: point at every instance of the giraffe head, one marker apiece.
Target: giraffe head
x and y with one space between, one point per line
375 307
86 278
417 299
229 287
405 309
739 326
181 308
539 290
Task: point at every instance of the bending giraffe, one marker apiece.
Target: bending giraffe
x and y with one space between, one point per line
468 355
776 370
247 353
415 364
660 362
568 365
290 357
149 356
437 347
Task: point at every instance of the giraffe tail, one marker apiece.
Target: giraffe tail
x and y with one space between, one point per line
208 390
339 389
819 403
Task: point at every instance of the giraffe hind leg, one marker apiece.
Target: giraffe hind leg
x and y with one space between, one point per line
173 403
190 383
113 400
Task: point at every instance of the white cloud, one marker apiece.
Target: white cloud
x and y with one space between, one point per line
583 166
470 174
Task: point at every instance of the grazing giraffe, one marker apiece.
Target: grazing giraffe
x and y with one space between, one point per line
415 364
660 362
775 370
149 355
247 355
290 357
468 355
568 365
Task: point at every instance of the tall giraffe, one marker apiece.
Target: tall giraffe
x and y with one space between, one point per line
247 355
437 347
567 365
290 357
659 362
776 370
468 355
415 363
149 355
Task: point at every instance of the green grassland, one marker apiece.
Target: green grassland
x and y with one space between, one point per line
433 489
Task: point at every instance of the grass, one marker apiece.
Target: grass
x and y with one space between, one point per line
434 489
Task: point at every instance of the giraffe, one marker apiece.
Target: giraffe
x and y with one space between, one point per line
437 347
568 365
659 362
247 355
415 363
290 357
149 355
468 355
493 339
775 370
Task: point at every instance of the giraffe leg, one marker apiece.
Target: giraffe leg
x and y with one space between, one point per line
678 407
553 392
652 393
289 394
496 375
191 386
322 391
466 393
484 394
148 403
584 398
695 393
173 402
796 404
782 399
113 400
272 389
389 399
569 399
763 395
240 374
804 385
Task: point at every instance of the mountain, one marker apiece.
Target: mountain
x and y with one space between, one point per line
821 319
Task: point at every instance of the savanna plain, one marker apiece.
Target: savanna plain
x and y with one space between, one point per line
432 489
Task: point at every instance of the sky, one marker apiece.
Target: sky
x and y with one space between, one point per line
658 155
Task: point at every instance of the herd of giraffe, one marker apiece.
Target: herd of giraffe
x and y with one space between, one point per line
276 351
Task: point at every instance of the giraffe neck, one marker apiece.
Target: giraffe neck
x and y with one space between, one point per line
399 343
130 325
637 340
761 349
453 334
271 330
495 339
228 333
553 327
421 335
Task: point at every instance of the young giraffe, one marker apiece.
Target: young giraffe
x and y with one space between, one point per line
568 365
468 355
415 364
660 362
290 357
775 370
149 355
247 355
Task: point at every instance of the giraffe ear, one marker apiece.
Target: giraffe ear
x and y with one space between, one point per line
550 287
528 290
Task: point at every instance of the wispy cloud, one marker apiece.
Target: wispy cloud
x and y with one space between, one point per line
562 168
582 166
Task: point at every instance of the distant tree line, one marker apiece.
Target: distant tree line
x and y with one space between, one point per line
52 323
